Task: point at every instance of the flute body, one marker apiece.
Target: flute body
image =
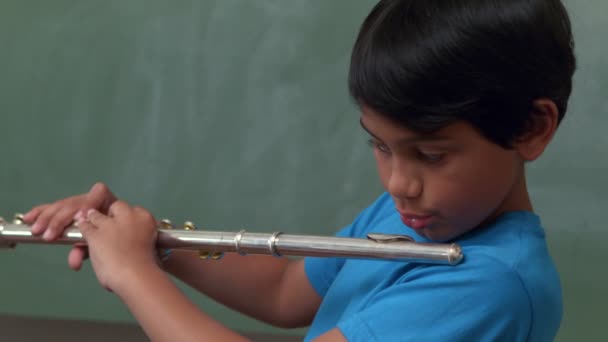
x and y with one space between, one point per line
376 246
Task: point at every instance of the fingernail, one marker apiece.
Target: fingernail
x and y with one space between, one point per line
79 217
47 235
36 228
91 212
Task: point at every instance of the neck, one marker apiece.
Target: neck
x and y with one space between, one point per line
518 199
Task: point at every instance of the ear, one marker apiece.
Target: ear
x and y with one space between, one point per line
539 130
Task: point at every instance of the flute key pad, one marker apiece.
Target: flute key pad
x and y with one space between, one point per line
18 218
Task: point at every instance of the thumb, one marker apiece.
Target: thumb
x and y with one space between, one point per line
77 255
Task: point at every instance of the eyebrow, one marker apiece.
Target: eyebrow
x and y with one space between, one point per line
418 138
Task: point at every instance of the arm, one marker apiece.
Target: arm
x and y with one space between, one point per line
274 290
164 312
270 289
125 262
121 248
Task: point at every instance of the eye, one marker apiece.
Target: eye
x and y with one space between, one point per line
379 146
431 157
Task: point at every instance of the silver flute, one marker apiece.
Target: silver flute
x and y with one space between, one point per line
213 244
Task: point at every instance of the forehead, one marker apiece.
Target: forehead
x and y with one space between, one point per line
387 130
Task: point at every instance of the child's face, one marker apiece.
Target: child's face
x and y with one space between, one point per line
447 183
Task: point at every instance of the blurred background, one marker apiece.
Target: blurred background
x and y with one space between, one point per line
235 114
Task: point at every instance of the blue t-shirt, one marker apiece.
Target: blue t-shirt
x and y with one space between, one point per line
506 288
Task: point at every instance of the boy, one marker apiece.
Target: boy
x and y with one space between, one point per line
457 96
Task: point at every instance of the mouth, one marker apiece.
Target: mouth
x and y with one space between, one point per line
416 221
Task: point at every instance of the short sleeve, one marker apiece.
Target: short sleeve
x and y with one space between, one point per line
321 272
441 304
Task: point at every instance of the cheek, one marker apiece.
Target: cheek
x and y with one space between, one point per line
473 193
463 205
384 168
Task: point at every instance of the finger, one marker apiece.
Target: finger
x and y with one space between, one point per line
96 218
88 230
99 197
143 212
58 223
148 218
119 208
33 214
44 218
77 255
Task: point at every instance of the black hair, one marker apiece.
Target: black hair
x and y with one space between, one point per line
428 63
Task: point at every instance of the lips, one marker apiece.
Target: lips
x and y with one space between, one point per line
416 221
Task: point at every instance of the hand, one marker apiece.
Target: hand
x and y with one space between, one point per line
52 219
121 243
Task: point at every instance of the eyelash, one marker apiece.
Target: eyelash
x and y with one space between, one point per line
431 158
379 146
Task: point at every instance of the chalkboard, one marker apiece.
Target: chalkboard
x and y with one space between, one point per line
235 114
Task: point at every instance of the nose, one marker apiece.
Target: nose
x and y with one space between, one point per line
405 182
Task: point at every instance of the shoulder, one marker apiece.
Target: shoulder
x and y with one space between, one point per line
321 272
515 242
505 289
514 251
481 278
479 300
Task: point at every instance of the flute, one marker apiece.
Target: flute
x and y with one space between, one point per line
213 244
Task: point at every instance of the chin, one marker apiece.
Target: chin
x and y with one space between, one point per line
428 233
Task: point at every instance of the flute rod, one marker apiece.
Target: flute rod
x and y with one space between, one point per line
376 246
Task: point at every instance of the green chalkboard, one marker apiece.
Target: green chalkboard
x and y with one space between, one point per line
235 114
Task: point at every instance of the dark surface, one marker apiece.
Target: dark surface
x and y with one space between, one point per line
27 329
